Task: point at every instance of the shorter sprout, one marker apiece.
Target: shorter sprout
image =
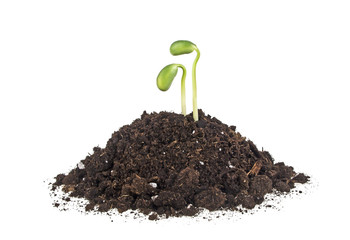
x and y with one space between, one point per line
166 77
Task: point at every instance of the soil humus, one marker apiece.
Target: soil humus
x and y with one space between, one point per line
167 164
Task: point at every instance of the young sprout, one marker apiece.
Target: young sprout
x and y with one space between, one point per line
166 77
168 73
184 47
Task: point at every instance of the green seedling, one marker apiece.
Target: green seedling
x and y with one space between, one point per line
168 73
166 77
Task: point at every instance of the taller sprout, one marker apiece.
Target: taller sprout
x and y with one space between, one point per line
185 47
168 73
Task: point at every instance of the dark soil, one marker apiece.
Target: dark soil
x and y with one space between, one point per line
166 163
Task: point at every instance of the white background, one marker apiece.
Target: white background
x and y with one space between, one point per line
72 72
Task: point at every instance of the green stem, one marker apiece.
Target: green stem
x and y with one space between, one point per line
194 86
183 89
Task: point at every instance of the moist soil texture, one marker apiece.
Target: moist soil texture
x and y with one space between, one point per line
167 164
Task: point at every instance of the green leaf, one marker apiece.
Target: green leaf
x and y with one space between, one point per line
166 76
182 47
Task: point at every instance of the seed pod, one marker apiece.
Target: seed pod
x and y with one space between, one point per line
182 47
166 76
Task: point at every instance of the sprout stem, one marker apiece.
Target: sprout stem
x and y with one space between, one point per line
194 86
183 90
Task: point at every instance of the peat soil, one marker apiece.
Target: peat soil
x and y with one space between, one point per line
167 164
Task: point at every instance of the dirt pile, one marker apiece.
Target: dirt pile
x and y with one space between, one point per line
168 164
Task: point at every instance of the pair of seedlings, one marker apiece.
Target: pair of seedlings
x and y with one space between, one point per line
168 73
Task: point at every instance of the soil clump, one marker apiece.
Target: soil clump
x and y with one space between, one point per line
167 164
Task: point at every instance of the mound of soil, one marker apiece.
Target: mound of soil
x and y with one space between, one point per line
166 163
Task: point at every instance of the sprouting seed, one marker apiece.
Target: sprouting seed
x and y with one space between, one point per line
185 47
166 77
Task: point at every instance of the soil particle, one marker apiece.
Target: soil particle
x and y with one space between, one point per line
171 199
301 178
260 185
167 164
244 199
211 199
153 216
190 210
282 186
187 181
